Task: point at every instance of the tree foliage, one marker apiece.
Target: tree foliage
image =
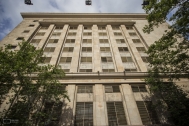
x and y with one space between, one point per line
32 86
169 56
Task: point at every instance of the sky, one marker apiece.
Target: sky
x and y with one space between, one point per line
10 9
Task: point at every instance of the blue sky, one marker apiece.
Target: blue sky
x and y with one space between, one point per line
10 9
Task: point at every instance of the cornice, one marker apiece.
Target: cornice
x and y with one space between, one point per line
84 15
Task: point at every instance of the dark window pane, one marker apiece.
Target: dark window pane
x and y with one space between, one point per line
84 114
116 114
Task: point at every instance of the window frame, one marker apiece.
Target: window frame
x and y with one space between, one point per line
64 60
68 49
112 89
123 49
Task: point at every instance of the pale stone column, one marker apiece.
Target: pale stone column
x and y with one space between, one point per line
100 116
96 50
46 36
132 109
133 49
116 54
77 47
68 110
59 45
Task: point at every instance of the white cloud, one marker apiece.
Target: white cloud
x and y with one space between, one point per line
10 9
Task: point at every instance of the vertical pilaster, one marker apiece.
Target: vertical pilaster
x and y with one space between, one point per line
133 49
100 118
128 98
46 36
59 45
76 53
96 50
67 118
116 54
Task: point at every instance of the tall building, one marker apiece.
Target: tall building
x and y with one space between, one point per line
105 62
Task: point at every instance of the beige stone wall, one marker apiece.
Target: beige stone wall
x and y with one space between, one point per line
18 32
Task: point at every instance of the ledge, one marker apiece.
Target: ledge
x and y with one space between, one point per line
84 15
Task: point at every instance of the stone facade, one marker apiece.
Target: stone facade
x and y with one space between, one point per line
102 51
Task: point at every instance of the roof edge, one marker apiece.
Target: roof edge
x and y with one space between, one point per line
83 15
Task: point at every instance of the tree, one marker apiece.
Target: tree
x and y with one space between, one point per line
33 86
169 56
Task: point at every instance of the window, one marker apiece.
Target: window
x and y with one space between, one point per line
136 40
132 34
31 25
26 31
87 41
129 27
44 27
46 59
40 34
66 70
115 27
106 59
49 49
117 33
116 114
87 33
87 27
20 38
56 34
86 59
119 41
35 42
145 59
140 88
72 34
108 70
59 28
85 89
103 41
123 49
65 60
53 41
130 70
73 27
141 49
105 49
112 89
86 49
85 70
102 34
68 49
126 59
70 40
102 28
12 46
147 112
84 114
52 109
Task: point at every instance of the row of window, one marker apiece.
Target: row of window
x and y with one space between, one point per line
109 88
102 41
85 27
89 59
84 34
85 49
103 70
115 112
